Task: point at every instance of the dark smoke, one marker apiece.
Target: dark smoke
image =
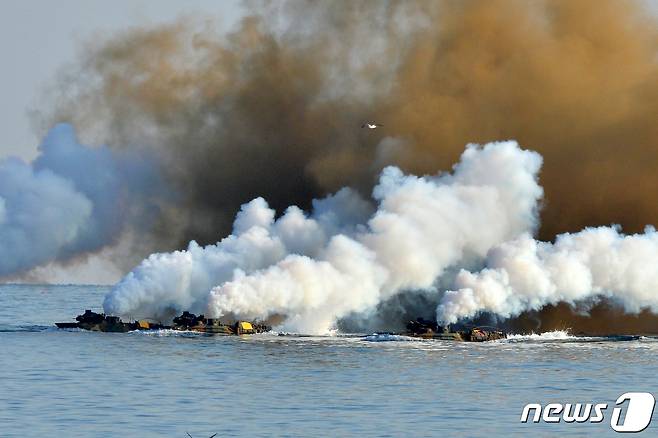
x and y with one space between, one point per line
603 318
273 109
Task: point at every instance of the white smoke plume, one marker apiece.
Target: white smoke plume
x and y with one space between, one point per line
314 269
526 274
71 200
181 280
40 214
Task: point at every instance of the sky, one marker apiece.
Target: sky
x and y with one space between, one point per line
38 38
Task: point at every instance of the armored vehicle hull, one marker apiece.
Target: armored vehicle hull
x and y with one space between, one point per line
421 328
99 322
189 321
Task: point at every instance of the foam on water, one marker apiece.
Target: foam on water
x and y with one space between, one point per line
556 335
565 336
165 332
389 337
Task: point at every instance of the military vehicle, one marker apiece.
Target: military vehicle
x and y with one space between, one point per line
422 328
186 321
189 321
99 322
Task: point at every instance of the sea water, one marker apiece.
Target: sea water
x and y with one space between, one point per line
72 383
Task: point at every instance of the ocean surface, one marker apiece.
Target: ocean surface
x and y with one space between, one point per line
72 383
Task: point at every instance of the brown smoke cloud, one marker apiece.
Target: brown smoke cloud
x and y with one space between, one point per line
575 80
602 319
274 108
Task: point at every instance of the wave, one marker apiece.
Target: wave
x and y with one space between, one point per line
565 336
388 337
169 332
555 335
26 328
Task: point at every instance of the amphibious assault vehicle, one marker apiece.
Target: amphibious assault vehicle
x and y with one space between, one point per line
99 322
189 321
422 328
185 322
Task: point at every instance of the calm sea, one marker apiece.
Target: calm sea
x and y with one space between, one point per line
82 384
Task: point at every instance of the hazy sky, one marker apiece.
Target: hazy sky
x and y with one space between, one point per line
38 37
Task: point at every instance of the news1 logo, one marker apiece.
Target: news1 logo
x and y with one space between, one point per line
638 412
